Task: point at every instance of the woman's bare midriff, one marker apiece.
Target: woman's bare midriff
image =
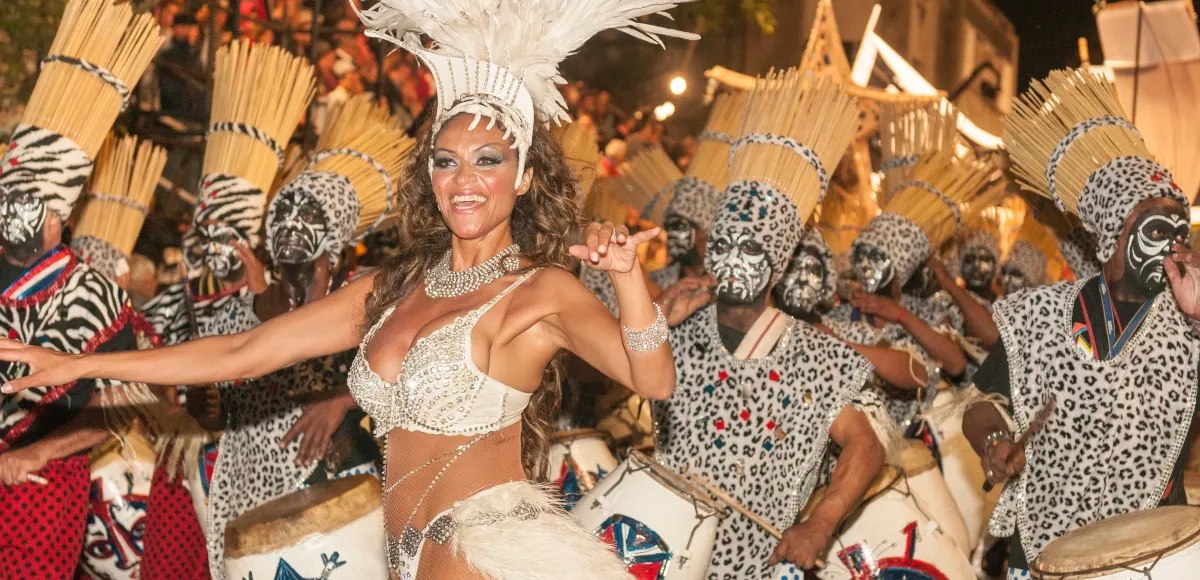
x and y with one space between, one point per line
494 460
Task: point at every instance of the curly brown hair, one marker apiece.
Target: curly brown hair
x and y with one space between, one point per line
544 220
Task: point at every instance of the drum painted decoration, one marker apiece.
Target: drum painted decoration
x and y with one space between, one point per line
659 524
888 538
1157 544
578 459
114 540
331 530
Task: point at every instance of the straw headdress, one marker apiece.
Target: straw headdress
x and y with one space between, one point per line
925 211
1075 243
259 95
352 175
648 183
795 128
1070 140
583 155
119 198
605 202
697 193
99 52
909 132
499 58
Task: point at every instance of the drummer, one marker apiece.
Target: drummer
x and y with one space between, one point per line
1123 374
760 396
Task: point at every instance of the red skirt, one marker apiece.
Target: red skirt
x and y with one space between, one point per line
174 548
42 526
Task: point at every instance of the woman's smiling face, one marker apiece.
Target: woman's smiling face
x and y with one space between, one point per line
473 172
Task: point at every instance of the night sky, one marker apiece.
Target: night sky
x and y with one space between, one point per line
1048 31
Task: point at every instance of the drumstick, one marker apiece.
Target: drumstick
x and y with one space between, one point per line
724 497
1034 426
31 478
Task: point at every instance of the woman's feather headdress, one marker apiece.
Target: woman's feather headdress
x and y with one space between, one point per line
499 58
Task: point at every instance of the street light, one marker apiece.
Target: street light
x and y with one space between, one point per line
678 85
663 111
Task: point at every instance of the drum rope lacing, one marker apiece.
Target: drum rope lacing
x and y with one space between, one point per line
700 517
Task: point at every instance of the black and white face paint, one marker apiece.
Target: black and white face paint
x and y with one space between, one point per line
216 246
22 215
798 292
297 228
978 269
1149 242
740 266
681 236
873 267
1012 279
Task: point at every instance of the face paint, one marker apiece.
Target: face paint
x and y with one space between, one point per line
978 269
216 245
873 267
740 266
22 215
799 290
297 228
1012 279
681 236
1149 242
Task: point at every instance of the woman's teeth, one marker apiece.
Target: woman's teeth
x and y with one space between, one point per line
467 201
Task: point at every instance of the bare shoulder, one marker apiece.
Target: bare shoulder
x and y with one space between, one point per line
551 289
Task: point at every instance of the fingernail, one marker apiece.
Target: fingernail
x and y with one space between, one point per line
6 389
595 257
603 247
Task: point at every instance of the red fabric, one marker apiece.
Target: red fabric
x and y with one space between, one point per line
174 541
42 526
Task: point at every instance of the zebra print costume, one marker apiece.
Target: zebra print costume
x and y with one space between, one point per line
47 165
62 305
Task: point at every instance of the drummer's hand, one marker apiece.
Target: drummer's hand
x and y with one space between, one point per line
686 297
203 403
47 368
17 465
803 544
319 421
611 248
1003 461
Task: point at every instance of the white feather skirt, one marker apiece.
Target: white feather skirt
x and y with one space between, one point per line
547 544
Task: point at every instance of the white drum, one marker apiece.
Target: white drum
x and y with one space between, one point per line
1157 544
121 472
661 525
332 530
963 474
197 483
888 538
578 459
932 495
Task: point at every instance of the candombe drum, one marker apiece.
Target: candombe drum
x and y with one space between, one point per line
888 538
662 526
963 473
931 494
199 481
1157 544
629 422
332 530
578 459
121 472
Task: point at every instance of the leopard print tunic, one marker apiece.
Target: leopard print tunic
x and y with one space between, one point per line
1113 440
758 428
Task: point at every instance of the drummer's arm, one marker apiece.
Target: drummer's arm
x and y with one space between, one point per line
899 368
857 466
85 431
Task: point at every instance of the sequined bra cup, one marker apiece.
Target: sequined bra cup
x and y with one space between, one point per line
439 390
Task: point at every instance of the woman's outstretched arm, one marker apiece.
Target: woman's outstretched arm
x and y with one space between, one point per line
324 327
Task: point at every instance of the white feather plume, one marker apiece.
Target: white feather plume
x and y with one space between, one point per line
528 37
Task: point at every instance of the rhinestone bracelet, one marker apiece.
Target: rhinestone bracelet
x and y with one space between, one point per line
649 338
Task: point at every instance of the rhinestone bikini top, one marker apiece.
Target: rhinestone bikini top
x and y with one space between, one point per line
439 390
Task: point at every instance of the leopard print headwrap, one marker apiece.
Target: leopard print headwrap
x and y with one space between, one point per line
903 240
1029 260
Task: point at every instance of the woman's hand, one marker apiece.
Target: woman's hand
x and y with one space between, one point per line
47 368
1185 286
611 248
